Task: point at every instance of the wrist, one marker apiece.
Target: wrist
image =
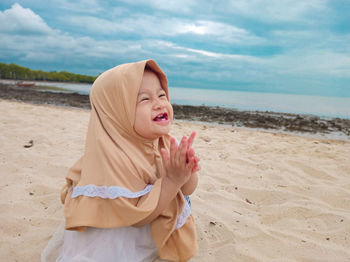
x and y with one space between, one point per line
171 184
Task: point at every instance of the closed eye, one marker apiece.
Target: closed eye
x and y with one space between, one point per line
161 95
144 99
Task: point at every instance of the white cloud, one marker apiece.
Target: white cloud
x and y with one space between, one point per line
221 31
272 10
22 20
219 55
192 54
312 63
277 10
26 36
80 6
149 26
59 46
304 54
311 40
178 6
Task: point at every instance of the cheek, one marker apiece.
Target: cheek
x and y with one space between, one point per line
171 111
139 118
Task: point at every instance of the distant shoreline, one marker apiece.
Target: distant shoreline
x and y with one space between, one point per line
21 73
308 124
13 81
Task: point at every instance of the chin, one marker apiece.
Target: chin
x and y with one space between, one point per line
162 134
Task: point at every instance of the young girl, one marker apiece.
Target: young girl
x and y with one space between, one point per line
126 198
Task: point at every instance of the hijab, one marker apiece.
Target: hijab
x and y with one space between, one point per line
117 181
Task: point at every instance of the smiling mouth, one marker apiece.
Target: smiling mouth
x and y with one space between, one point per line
161 117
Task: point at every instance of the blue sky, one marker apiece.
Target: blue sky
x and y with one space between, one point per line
281 46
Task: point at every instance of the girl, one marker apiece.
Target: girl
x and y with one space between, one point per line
125 199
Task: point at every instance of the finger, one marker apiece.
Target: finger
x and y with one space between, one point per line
196 169
190 154
173 149
183 152
183 155
191 164
178 152
196 166
191 138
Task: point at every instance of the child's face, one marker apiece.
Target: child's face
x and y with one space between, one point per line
154 113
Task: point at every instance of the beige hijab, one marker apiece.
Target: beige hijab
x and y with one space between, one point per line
117 181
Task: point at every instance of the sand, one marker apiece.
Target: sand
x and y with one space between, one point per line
262 196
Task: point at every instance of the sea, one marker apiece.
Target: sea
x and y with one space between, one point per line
322 106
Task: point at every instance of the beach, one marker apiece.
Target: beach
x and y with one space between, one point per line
262 195
338 128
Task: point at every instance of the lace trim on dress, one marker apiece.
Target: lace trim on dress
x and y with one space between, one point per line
185 213
113 192
110 192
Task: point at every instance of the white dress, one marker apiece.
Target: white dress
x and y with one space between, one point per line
101 244
125 244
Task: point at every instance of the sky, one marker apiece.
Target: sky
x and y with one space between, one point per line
278 46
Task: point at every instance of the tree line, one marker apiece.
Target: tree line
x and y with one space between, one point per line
13 71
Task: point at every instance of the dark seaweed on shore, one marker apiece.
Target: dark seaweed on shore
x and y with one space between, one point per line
35 96
251 119
266 120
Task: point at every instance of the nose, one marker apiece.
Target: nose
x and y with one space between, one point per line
158 104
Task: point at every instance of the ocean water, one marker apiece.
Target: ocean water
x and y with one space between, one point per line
323 106
286 103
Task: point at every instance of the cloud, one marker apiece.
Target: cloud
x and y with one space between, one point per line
149 26
176 6
276 10
80 6
231 49
29 39
271 11
188 53
311 40
222 32
313 63
19 20
63 46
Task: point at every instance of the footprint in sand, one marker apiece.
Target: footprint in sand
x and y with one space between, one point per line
215 234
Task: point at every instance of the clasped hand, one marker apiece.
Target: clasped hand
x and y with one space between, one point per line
181 163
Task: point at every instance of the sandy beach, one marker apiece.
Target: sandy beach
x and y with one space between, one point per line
262 196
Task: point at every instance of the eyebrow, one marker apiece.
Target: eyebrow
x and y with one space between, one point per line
142 93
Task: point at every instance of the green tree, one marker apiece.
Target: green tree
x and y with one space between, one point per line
13 71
